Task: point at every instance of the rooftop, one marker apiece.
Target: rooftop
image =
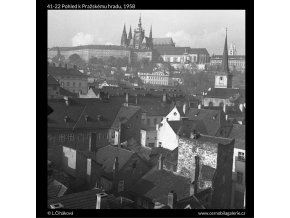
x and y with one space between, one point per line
156 184
224 93
61 71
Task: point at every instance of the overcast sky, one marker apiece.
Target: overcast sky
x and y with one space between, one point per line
196 29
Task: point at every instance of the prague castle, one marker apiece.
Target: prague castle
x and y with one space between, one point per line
136 47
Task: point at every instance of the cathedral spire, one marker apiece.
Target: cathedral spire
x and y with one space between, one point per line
130 35
140 23
225 64
150 34
124 37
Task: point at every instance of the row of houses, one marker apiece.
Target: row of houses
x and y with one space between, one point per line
87 137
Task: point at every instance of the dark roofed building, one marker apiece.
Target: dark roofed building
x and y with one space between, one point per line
160 42
214 121
89 200
154 187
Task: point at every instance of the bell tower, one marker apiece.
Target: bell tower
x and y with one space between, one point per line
224 78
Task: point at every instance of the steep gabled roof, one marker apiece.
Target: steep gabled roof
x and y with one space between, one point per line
61 71
185 127
51 80
156 184
224 93
198 51
237 132
162 41
210 118
171 50
124 115
100 114
106 157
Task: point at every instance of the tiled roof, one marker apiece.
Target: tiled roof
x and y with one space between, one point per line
67 93
60 71
210 118
162 41
180 50
172 50
124 115
198 51
156 184
88 200
237 132
100 114
51 80
102 47
56 189
185 127
106 157
223 93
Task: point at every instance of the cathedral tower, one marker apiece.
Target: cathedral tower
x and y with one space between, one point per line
124 37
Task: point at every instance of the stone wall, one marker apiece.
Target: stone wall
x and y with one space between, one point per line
188 149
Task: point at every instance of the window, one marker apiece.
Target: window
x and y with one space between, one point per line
239 177
221 78
70 137
121 186
81 137
174 113
62 137
74 84
80 91
241 156
210 104
80 84
160 144
67 83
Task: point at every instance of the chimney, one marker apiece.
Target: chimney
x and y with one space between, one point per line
184 109
126 104
172 199
196 174
136 98
116 175
100 198
199 106
164 97
160 162
194 134
66 100
225 108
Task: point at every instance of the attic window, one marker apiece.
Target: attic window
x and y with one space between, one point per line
100 117
214 117
174 113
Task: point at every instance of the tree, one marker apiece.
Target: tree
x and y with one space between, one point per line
75 59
